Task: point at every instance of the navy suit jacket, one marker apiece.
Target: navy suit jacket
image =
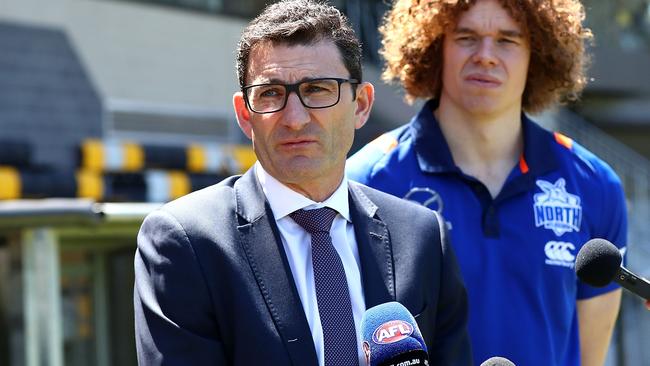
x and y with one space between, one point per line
213 285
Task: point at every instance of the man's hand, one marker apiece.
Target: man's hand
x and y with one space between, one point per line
647 304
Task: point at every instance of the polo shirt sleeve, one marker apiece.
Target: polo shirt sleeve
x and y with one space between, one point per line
359 166
612 225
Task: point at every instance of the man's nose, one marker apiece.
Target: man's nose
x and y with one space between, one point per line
485 52
295 115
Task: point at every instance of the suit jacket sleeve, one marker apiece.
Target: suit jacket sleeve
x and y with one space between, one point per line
426 277
174 320
452 344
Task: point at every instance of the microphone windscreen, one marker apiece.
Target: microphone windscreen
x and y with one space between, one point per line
497 361
597 262
389 330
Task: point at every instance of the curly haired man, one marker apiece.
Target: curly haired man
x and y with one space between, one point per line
519 201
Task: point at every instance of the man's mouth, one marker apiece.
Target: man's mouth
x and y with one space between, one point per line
483 80
297 143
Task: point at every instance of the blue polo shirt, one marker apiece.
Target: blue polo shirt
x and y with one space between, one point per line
516 251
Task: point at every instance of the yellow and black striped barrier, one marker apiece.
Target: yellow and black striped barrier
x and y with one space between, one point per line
15 152
119 156
97 155
90 184
10 183
35 183
124 171
150 185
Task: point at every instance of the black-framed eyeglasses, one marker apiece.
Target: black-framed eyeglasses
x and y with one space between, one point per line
313 93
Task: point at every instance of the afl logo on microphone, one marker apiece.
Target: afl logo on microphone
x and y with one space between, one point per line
392 331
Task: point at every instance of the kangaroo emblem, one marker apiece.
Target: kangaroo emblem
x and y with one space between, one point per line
556 209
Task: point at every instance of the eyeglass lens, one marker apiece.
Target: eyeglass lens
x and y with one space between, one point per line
313 94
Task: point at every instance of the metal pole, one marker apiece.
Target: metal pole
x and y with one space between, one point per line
42 298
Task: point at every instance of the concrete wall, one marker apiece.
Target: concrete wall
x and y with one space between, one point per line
145 53
167 58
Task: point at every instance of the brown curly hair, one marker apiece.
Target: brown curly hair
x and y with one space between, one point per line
413 31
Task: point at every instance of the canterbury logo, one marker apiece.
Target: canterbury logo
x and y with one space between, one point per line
559 253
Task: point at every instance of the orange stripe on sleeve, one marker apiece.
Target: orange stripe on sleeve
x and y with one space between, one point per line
563 140
385 143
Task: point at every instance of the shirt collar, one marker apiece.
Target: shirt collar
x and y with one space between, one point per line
540 153
434 156
433 153
283 200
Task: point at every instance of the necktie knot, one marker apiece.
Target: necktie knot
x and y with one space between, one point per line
314 221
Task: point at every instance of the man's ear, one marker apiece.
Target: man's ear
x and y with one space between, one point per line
365 99
243 114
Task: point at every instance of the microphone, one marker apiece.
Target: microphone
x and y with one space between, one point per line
497 361
599 262
391 337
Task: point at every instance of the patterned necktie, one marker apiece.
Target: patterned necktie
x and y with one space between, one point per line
332 295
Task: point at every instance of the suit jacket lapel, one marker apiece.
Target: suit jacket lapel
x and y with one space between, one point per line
375 251
261 241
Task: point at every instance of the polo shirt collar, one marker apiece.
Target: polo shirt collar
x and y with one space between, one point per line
539 148
431 149
434 156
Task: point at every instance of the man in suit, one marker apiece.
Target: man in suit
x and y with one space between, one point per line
277 266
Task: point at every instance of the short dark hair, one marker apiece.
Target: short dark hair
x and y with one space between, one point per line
300 22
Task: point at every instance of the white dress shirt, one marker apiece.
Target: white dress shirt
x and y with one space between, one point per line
297 245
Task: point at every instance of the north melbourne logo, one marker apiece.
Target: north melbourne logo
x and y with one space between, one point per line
559 253
556 209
